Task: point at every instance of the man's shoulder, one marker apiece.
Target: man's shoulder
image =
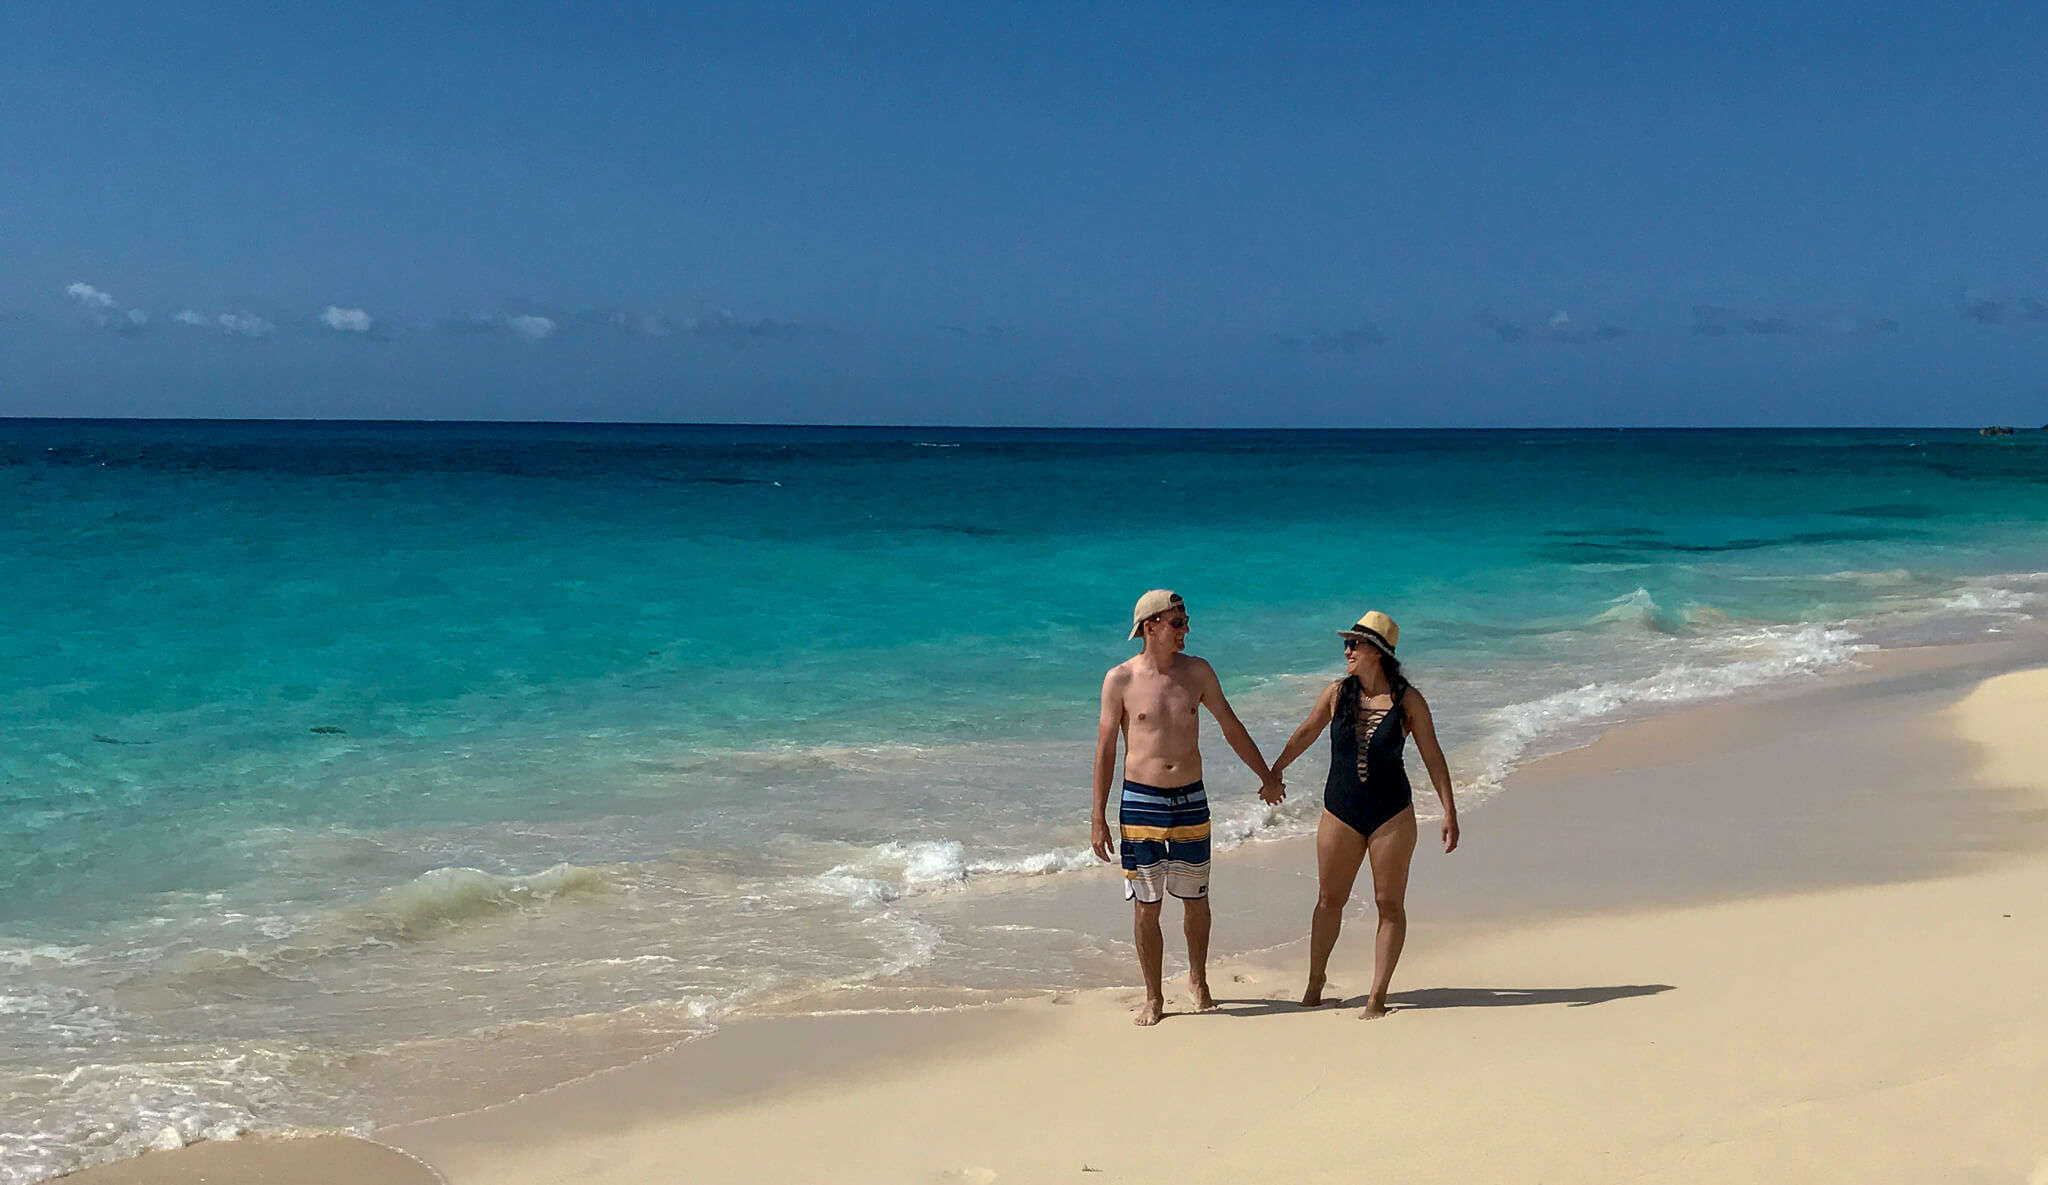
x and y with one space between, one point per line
1120 673
1194 666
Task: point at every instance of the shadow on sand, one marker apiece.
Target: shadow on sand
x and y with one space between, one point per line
1510 997
1458 998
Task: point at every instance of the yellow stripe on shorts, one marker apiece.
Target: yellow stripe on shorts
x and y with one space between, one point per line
1190 831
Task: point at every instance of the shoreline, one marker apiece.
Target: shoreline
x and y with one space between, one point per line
1497 891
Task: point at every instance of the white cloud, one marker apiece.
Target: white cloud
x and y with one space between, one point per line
240 324
531 327
245 324
343 320
99 307
89 296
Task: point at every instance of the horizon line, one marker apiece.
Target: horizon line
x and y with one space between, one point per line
936 427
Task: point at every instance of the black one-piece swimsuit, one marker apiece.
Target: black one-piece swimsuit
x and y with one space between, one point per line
1368 784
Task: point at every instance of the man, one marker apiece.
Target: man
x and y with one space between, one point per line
1163 817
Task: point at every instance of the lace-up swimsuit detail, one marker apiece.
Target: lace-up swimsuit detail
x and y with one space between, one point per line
1368 783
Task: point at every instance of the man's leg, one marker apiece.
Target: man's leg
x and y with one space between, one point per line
1151 954
1194 923
1187 877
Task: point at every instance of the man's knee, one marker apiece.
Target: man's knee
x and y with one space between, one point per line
1147 912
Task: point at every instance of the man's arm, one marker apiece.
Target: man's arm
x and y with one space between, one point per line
1240 740
1107 725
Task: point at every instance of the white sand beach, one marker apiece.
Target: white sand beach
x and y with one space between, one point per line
1794 937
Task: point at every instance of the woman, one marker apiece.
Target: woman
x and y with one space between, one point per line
1368 809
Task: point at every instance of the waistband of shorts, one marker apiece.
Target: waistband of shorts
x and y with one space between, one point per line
1188 791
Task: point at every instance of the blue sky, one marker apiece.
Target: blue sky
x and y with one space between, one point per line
1131 213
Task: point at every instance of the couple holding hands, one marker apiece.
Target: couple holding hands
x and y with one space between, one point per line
1153 701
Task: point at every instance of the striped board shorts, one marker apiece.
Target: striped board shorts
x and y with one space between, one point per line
1164 841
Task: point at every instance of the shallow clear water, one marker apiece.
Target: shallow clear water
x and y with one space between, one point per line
318 741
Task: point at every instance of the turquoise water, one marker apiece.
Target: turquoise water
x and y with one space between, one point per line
319 739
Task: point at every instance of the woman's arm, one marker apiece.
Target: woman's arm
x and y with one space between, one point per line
1311 728
1423 729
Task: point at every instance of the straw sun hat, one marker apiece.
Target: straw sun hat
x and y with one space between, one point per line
1377 628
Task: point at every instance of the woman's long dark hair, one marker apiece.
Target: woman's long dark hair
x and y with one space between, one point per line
1396 681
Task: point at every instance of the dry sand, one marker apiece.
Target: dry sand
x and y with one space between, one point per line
1789 938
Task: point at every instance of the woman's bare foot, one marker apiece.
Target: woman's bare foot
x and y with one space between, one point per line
1204 1002
1149 1013
1375 1007
1312 996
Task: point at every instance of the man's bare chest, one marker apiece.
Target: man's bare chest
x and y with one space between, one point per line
1161 703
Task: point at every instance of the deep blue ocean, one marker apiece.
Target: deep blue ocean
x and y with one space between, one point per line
324 743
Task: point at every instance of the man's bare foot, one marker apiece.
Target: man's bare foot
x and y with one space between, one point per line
1204 1002
1312 995
1149 1013
1375 1007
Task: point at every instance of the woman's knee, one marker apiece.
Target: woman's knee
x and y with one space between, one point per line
1392 906
1328 899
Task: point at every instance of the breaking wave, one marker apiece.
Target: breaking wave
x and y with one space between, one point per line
1639 610
413 912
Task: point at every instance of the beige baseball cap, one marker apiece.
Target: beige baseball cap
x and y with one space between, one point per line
1377 628
1152 604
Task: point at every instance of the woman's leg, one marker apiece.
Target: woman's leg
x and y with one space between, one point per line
1339 852
1390 849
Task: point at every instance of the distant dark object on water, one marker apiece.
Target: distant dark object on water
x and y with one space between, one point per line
104 739
1996 430
329 729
